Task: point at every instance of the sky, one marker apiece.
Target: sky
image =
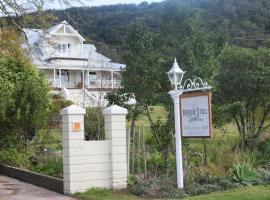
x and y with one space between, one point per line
55 5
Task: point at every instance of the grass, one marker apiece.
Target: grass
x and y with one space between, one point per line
245 193
99 194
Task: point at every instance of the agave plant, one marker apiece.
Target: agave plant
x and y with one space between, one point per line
243 174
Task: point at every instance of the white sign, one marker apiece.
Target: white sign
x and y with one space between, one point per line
195 112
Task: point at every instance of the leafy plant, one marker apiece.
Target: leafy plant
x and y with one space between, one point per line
94 124
157 187
264 175
243 174
51 166
14 157
131 180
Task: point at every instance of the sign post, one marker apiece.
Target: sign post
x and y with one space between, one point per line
194 119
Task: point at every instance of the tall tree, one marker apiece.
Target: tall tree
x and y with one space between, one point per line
24 93
243 84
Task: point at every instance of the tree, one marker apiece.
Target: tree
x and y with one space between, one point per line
24 100
31 13
243 84
145 77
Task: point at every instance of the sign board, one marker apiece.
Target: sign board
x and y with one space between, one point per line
195 114
76 126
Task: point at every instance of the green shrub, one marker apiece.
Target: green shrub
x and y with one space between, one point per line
197 189
131 180
207 185
50 166
264 175
157 187
94 124
243 174
13 157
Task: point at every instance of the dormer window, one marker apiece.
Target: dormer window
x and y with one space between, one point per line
63 48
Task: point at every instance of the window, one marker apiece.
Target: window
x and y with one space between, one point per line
64 75
63 48
92 76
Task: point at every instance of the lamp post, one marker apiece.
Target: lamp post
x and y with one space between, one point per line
176 75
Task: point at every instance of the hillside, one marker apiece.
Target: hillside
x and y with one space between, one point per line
246 22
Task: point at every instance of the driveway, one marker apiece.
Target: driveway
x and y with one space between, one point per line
13 189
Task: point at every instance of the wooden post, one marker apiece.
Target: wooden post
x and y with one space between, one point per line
133 149
144 153
139 150
128 149
204 152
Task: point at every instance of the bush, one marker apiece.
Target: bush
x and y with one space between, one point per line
197 189
243 174
208 185
49 166
24 97
157 187
14 157
264 175
94 124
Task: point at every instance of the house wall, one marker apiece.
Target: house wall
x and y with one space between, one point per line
49 46
94 164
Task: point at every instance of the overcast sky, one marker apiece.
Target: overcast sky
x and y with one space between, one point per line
55 5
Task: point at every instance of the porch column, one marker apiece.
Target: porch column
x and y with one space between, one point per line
83 78
54 83
112 79
88 78
60 78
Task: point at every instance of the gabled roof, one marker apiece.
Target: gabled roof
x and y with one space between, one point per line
65 26
33 35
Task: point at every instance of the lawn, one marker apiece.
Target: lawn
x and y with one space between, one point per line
99 194
246 193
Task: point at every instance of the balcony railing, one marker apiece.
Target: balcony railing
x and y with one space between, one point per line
93 84
107 84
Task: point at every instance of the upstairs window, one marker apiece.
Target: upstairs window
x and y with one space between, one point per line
63 48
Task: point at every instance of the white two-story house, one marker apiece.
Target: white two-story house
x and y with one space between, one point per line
75 70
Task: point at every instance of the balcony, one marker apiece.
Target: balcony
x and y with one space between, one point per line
104 84
93 84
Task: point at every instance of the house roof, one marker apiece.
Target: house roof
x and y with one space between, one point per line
54 30
33 35
41 58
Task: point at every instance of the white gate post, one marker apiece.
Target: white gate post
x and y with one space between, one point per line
73 138
115 132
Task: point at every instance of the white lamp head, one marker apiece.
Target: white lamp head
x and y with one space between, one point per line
175 75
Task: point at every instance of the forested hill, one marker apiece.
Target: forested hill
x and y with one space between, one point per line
245 22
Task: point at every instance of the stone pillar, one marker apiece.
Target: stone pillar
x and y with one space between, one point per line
115 132
73 139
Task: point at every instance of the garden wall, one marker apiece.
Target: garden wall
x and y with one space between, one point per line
37 179
94 164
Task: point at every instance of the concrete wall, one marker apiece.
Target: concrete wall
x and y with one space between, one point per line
94 164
